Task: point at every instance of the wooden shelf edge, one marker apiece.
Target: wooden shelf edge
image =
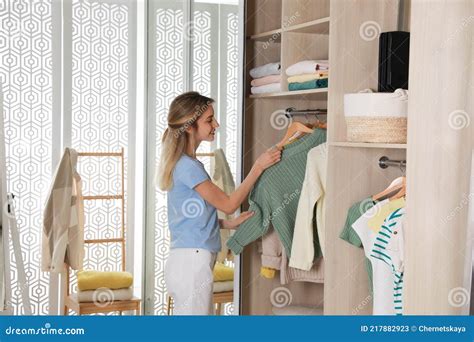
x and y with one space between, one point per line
293 28
264 35
308 25
291 93
368 145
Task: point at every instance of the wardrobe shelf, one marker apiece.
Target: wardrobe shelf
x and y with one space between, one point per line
266 35
320 92
368 145
320 26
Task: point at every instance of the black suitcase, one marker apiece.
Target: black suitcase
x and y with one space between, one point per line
394 52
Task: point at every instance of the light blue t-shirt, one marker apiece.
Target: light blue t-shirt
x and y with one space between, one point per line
193 222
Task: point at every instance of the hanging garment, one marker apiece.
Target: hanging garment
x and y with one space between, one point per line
275 258
223 178
385 276
289 274
312 192
375 223
63 223
349 235
266 70
389 249
274 198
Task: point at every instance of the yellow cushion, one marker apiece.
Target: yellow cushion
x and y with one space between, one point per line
91 280
223 273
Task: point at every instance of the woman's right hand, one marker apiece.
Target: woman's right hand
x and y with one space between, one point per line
268 158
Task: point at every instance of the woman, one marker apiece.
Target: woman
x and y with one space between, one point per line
193 201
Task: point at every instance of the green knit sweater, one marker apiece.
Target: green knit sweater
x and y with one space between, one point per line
275 196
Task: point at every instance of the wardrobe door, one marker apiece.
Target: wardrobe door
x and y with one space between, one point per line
440 133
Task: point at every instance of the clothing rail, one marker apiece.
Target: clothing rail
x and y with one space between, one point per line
289 112
385 162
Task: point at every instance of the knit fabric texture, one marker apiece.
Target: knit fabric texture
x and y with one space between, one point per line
275 196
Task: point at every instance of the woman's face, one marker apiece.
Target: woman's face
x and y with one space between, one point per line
206 125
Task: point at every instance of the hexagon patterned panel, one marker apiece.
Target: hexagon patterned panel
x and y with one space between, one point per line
99 113
27 80
169 75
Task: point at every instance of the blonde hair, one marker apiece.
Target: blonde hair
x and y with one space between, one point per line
183 113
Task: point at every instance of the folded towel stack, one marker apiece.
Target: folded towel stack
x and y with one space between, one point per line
96 286
223 278
266 78
310 74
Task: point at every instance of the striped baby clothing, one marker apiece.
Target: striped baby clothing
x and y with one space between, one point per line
385 251
388 248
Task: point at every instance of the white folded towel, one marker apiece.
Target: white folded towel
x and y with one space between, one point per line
266 70
104 295
267 88
307 67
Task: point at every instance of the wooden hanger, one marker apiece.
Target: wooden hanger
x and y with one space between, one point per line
398 184
319 124
294 128
402 192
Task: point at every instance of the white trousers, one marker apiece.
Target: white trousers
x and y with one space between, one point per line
189 280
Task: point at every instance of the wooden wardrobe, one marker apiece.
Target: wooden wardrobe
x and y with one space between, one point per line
346 32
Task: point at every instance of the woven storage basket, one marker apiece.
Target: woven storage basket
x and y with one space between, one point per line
377 129
376 117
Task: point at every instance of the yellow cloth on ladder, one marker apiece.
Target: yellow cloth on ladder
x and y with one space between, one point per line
91 280
223 273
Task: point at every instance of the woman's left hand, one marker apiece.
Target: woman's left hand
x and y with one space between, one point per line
236 222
